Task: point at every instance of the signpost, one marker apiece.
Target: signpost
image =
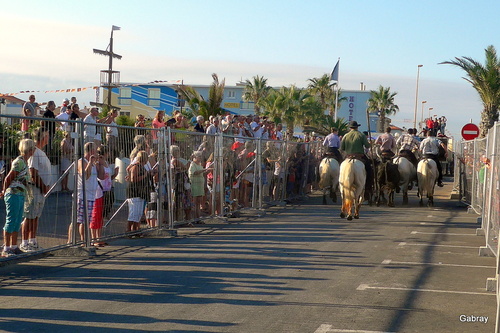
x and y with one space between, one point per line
470 131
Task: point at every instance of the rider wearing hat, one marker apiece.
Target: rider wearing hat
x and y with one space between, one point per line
354 144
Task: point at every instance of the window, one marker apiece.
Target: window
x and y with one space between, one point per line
231 94
125 97
247 105
153 102
154 93
125 113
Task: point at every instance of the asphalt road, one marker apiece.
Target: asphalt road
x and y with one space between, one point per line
298 268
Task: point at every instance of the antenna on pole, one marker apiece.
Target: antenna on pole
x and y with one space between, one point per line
109 78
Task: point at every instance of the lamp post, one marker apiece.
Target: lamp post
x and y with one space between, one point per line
416 98
422 115
430 109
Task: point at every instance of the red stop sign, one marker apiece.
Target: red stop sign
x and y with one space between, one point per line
470 131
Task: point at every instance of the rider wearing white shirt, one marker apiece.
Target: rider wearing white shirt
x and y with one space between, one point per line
430 149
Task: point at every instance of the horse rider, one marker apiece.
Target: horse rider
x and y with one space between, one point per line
407 143
332 144
430 149
354 144
387 144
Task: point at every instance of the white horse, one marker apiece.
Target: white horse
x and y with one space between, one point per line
329 177
407 174
352 186
427 173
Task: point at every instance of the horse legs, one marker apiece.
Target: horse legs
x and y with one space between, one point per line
324 198
333 194
357 208
405 197
343 208
391 199
430 202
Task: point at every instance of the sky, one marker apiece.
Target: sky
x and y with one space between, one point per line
47 45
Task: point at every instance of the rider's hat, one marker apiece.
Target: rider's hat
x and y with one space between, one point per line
353 124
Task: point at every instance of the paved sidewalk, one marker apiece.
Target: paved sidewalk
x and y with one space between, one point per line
298 268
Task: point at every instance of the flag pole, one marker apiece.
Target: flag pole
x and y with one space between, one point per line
336 76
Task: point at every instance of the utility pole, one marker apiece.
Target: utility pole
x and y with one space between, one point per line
109 78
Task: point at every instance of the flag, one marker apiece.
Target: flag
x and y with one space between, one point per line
115 28
335 73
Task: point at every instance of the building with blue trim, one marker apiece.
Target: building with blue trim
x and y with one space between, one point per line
147 99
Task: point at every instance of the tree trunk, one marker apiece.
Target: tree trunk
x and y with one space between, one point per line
488 118
381 123
256 109
289 130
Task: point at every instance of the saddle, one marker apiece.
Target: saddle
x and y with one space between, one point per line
356 156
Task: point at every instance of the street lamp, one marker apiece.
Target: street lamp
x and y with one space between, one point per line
422 114
416 98
430 109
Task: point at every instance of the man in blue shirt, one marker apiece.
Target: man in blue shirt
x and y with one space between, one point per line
332 144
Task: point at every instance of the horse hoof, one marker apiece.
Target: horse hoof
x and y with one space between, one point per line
342 215
356 217
349 218
391 205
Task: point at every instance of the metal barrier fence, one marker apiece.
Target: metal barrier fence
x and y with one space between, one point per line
480 188
187 177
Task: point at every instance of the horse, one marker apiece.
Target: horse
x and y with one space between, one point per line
388 179
352 185
407 174
329 177
427 173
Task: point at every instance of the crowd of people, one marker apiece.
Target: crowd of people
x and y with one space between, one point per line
437 125
192 164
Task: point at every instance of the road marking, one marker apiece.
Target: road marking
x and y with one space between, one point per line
431 223
442 245
390 262
440 233
366 286
324 328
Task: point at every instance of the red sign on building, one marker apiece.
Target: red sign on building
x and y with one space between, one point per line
470 131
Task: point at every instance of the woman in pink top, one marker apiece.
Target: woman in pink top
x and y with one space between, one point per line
158 122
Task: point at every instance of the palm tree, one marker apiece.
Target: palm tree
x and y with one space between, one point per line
215 97
191 96
382 102
486 80
198 104
322 88
290 105
256 90
324 125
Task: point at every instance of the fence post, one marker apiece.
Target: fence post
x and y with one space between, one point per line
258 164
170 192
161 181
285 170
219 139
77 153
